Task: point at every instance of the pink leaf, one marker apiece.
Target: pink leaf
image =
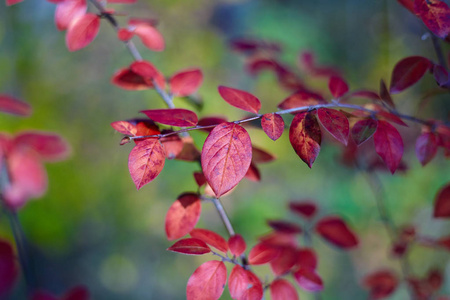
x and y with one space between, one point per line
182 216
150 37
426 147
68 11
146 161
124 127
335 122
124 34
284 262
149 72
174 117
337 86
207 282
190 246
211 238
306 258
244 285
185 83
305 137
281 289
12 2
240 99
262 253
308 280
82 31
273 125
237 245
226 157
48 146
407 72
14 106
388 145
336 231
442 203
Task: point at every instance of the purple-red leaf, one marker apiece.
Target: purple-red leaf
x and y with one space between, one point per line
407 72
337 232
363 130
262 253
385 95
211 238
305 209
305 137
174 117
186 82
261 156
240 99
226 157
281 289
237 245
14 106
149 73
190 246
82 31
146 161
426 147
337 86
207 282
182 216
273 125
9 270
127 79
442 203
306 258
388 145
308 280
284 226
301 99
285 261
381 284
435 14
335 122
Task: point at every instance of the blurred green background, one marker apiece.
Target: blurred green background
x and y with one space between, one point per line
93 227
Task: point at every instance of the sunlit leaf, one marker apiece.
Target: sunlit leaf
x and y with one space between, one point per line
149 72
207 282
182 216
124 127
240 99
82 31
174 117
186 82
68 11
262 253
281 289
237 245
211 238
244 284
273 125
150 37
190 246
305 137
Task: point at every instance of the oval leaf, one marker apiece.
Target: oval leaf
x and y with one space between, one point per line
284 262
363 130
336 231
150 37
14 106
262 253
82 31
442 203
207 282
435 15
407 72
284 226
182 216
335 122
211 238
186 82
281 289
426 147
306 209
124 127
243 284
174 116
301 99
226 157
388 145
305 137
237 245
381 283
67 11
48 146
273 125
129 80
240 99
190 246
308 280
337 86
149 73
146 161
306 258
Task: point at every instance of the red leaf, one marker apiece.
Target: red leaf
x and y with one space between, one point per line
281 289
337 86
186 82
68 11
284 226
12 2
207 282
385 96
335 122
273 125
182 216
145 128
124 127
306 258
240 99
82 31
149 72
284 262
129 80
174 117
363 130
261 156
426 147
435 15
442 203
226 157
172 144
381 284
150 37
189 151
14 106
243 284
212 120
388 145
9 271
146 161
190 246
262 253
124 34
280 239
305 137
200 178
211 238
308 280
390 117
305 209
237 245
408 4
336 231
253 173
301 99
48 146
407 72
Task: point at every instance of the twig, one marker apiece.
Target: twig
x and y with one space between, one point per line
438 49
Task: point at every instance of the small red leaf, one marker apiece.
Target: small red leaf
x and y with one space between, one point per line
262 253
190 246
442 203
240 99
301 99
82 31
337 86
48 146
381 284
284 262
226 157
261 156
388 145
408 4
211 238
149 72
129 80
306 258
407 72
200 178
124 34
182 216
186 82
308 280
244 285
150 37
68 11
426 147
207 282
124 127
9 270
172 144
305 209
385 96
237 245
335 122
174 117
435 14
280 239
146 161
253 173
273 125
390 117
441 75
14 106
363 130
305 137
212 120
336 231
284 226
281 289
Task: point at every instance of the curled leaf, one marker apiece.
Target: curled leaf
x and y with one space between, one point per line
190 246
305 137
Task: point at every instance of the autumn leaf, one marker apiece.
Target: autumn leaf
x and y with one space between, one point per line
82 31
190 246
186 82
240 99
211 238
388 145
308 280
336 231
442 203
175 116
337 86
207 282
262 253
68 11
305 137
11 105
435 14
303 208
273 125
335 122
281 289
363 130
407 72
426 147
9 271
244 284
381 283
237 245
182 216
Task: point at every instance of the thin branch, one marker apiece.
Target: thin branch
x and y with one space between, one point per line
223 215
438 49
225 258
